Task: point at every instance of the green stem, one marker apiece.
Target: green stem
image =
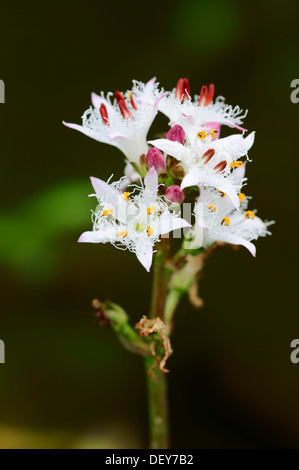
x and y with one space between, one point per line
156 379
172 302
159 292
157 406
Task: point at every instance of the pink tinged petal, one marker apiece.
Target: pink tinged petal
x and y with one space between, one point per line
92 237
101 187
150 83
144 253
232 124
97 101
90 133
156 104
151 181
104 190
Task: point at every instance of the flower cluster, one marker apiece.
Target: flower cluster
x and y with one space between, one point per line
191 163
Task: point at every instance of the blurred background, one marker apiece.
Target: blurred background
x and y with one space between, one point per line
68 382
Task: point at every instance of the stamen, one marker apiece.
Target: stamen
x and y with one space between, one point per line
107 212
212 133
222 194
201 135
122 234
220 167
212 207
182 91
206 95
236 164
132 101
125 196
151 209
208 155
122 105
104 114
203 93
241 197
149 230
225 221
249 215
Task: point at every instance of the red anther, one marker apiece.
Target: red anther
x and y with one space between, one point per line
122 105
206 95
210 94
208 155
202 96
104 114
132 101
220 166
182 91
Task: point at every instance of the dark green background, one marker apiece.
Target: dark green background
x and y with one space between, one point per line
66 381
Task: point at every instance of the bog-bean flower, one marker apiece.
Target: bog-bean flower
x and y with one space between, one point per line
132 220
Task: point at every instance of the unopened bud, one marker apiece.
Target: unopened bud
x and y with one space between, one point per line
176 134
154 158
174 194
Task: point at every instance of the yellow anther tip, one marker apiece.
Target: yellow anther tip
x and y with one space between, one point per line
125 196
122 234
241 197
236 164
249 215
225 221
201 135
151 209
150 231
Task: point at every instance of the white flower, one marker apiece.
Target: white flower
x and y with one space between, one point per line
194 115
210 163
133 221
217 220
125 121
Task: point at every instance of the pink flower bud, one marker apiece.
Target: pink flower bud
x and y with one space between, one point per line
154 158
174 194
176 134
